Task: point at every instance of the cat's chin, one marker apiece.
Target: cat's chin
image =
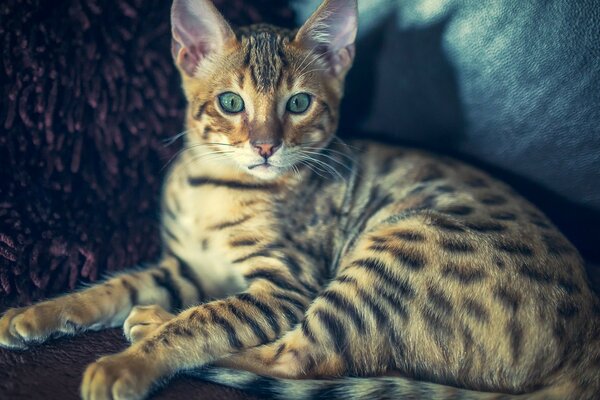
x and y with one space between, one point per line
265 172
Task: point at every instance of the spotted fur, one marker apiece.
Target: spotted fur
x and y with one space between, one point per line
332 270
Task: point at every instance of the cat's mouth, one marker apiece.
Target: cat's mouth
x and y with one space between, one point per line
265 170
263 165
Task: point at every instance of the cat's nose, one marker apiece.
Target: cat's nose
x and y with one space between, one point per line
266 148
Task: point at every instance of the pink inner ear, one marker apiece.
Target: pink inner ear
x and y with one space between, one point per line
198 28
331 32
188 61
186 58
339 60
342 59
333 24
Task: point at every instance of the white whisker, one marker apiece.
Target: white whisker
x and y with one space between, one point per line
324 166
324 151
188 148
309 71
299 69
336 137
205 157
318 149
311 167
170 140
314 153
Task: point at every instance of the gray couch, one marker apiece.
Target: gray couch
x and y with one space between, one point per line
510 85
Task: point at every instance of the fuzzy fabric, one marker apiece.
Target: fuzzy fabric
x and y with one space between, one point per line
53 371
89 96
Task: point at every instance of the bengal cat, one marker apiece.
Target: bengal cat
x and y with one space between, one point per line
290 255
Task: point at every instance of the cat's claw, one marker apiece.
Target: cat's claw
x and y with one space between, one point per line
143 320
117 377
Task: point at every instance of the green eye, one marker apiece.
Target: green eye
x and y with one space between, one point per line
298 103
231 102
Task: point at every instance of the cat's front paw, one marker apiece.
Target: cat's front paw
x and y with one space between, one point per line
22 326
34 324
118 377
143 320
9 327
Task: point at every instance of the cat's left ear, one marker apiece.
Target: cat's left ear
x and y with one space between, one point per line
330 31
199 31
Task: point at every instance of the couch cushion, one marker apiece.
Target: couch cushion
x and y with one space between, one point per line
511 86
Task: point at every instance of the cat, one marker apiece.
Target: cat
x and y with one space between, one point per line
300 266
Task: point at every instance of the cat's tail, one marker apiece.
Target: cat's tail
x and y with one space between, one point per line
374 388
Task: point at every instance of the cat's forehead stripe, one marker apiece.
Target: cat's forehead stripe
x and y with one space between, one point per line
264 55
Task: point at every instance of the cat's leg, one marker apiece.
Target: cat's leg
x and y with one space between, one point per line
270 306
293 356
170 283
356 326
345 331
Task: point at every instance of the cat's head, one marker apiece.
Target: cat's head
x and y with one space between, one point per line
262 97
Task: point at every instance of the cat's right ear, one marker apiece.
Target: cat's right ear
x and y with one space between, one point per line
330 32
199 30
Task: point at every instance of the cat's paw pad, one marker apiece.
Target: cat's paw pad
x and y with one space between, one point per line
117 377
143 320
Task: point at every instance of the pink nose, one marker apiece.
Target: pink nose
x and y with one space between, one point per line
266 150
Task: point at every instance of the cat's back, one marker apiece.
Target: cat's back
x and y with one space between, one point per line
461 202
480 260
421 180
